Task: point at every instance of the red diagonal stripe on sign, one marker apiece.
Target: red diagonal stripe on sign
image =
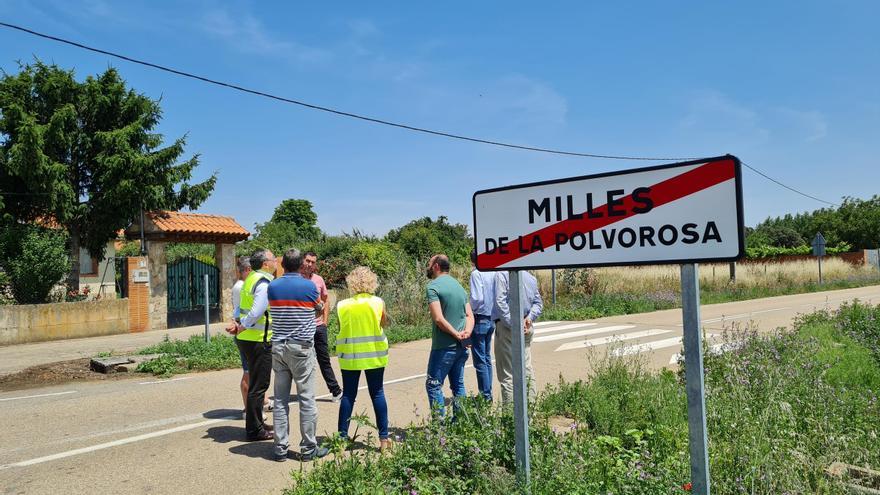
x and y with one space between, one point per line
667 191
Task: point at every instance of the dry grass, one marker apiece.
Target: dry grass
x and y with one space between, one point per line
663 278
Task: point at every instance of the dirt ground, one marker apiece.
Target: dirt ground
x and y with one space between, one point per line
44 375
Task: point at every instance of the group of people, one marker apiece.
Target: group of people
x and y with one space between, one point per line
280 325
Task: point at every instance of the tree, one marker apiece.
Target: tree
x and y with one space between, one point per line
423 237
299 214
34 259
86 156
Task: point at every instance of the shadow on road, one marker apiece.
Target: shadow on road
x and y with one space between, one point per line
223 414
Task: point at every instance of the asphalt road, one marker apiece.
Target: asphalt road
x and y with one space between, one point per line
183 436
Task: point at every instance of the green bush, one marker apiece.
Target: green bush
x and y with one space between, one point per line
35 260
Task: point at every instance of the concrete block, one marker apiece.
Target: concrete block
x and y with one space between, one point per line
107 365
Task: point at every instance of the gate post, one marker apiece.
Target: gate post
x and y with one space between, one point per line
224 257
138 293
158 285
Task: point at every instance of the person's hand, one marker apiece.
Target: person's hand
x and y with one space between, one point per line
527 325
232 328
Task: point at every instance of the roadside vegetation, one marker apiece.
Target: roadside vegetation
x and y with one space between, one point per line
781 408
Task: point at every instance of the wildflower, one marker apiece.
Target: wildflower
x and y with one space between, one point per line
687 486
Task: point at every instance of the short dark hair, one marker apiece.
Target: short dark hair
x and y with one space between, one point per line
258 258
474 256
292 260
243 262
310 253
442 261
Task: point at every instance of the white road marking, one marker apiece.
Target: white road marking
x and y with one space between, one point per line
610 339
581 333
38 395
539 331
637 349
115 443
744 315
166 381
714 349
396 380
546 323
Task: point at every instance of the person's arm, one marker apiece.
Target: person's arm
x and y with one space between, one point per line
535 309
324 296
501 286
440 320
468 321
236 301
476 288
261 304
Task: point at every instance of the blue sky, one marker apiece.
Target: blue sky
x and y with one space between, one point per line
792 88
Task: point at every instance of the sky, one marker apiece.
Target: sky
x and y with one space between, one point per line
790 87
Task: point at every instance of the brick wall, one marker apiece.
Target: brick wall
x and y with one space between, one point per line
138 297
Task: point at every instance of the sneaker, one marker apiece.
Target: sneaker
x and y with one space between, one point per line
337 396
316 454
280 457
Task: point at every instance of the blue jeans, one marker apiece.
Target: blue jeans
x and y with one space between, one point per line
442 363
350 381
481 346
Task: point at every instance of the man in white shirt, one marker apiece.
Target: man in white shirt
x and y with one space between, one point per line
243 265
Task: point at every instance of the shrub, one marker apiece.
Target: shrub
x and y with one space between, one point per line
35 260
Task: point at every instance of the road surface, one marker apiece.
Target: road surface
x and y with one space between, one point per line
183 435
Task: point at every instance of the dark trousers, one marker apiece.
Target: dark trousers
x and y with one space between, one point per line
351 379
323 355
259 362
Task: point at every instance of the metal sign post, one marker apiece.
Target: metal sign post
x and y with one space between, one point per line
520 385
694 381
207 312
818 245
553 283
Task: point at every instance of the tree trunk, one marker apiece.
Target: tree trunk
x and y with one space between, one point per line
73 276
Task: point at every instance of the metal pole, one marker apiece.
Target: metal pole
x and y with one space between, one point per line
520 392
553 283
733 271
820 270
693 372
207 314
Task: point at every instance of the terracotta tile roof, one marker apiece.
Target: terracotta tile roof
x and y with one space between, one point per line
175 222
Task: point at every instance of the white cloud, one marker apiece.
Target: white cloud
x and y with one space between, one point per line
246 33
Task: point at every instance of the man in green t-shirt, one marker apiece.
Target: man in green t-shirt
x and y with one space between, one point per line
450 336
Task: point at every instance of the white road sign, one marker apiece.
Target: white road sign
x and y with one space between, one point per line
680 213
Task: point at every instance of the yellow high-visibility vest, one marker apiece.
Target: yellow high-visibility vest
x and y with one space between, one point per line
260 331
361 344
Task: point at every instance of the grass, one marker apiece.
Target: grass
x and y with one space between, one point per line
594 293
780 408
194 354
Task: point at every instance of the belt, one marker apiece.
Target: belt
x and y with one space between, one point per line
481 317
304 343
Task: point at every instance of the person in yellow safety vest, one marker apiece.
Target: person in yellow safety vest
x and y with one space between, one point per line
361 346
253 339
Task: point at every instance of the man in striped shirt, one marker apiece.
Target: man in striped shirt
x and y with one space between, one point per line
292 301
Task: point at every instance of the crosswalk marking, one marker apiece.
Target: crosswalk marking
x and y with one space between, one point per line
610 339
713 349
539 331
639 348
581 333
545 323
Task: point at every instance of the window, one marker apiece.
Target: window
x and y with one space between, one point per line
87 264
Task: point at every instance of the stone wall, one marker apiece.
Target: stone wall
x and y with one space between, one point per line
39 322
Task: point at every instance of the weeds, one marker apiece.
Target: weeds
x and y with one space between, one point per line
781 408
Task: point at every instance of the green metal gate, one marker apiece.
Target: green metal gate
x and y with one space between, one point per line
186 292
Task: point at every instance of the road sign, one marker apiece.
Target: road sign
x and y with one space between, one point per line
818 245
680 213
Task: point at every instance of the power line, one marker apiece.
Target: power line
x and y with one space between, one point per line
376 120
771 179
333 110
